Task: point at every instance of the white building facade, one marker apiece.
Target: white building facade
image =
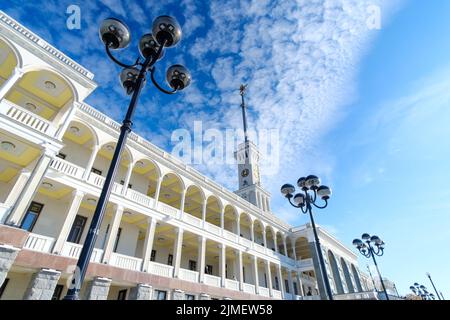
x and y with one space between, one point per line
169 232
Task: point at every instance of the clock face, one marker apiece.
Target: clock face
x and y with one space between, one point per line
245 172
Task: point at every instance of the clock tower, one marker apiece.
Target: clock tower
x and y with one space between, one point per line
247 157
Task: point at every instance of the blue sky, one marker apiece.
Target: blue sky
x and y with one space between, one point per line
367 110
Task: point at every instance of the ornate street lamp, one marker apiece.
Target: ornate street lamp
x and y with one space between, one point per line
367 250
421 291
166 32
310 190
432 283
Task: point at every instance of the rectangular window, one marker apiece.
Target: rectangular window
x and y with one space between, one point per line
192 265
3 287
123 182
295 289
286 286
153 255
160 295
265 280
77 229
31 216
170 259
96 171
58 291
243 272
190 297
122 295
209 269
61 155
277 285
116 244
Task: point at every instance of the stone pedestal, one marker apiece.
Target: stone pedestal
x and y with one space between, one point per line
98 289
42 285
141 292
178 294
7 256
204 296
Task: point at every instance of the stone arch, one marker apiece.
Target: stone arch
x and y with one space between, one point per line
145 176
172 188
270 237
348 278
335 272
80 141
11 58
258 230
194 200
213 210
231 219
245 222
357 279
302 248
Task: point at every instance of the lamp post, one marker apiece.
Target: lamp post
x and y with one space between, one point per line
311 189
368 251
421 291
434 287
166 32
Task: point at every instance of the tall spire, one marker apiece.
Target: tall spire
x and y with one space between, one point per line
242 90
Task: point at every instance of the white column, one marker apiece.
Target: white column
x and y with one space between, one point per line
127 178
222 265
114 228
201 258
158 190
204 213
280 281
275 242
238 225
294 255
222 218
8 84
285 248
148 245
62 129
300 284
264 237
26 196
255 273
240 272
90 163
177 247
290 283
268 276
183 197
77 196
17 188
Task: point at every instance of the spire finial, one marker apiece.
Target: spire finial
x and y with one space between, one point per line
242 90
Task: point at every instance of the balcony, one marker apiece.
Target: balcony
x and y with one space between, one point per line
126 262
232 284
188 275
36 242
249 288
305 264
212 280
160 269
67 168
276 294
264 292
26 118
73 250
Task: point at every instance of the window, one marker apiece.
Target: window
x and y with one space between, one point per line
277 285
122 295
96 171
209 269
265 280
123 182
117 239
170 259
3 287
192 265
295 289
243 272
190 297
160 295
61 155
286 285
58 291
77 229
153 255
31 216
